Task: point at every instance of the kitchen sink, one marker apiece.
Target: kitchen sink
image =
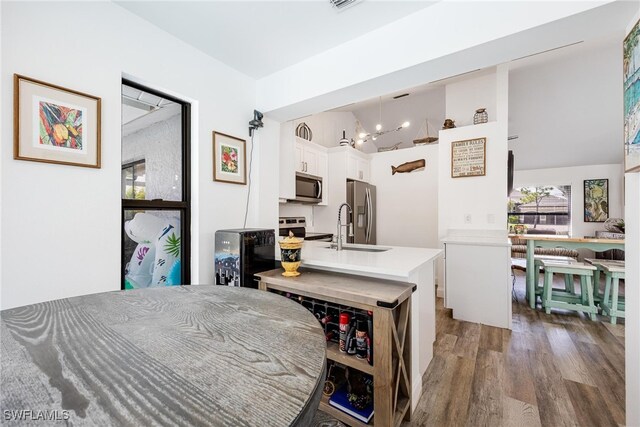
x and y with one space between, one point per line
359 249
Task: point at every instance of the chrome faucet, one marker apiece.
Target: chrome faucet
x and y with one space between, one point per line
349 224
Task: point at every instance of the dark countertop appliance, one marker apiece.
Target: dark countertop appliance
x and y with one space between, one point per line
241 253
298 225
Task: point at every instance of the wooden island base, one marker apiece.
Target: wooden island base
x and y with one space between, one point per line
390 303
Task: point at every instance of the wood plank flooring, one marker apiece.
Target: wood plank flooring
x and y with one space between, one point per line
550 370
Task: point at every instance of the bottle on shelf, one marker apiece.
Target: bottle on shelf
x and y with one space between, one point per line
361 340
351 338
345 320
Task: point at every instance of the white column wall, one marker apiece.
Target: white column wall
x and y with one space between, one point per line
407 203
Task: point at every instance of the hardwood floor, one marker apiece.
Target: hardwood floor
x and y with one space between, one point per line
550 370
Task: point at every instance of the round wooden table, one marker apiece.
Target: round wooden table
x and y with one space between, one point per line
191 355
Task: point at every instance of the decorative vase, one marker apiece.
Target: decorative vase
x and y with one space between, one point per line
481 116
344 141
290 250
449 124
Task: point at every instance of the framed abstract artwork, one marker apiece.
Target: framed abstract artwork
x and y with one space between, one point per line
229 159
631 77
53 124
596 200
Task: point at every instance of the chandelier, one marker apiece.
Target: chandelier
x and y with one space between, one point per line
364 136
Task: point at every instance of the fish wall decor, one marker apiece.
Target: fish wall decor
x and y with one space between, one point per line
408 167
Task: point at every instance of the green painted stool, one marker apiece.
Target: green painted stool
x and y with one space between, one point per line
568 279
613 308
597 263
567 299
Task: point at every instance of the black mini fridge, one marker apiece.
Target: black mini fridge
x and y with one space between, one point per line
241 253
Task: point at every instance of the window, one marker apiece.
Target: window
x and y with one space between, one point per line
545 209
133 180
155 189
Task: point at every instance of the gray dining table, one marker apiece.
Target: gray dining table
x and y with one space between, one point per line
189 355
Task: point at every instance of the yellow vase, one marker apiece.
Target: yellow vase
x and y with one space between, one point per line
290 251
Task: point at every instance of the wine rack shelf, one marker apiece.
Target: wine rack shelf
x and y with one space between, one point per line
388 303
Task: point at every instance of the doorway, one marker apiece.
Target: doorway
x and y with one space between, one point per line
155 188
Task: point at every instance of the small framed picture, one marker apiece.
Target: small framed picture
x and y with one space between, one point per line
53 124
229 159
468 158
596 200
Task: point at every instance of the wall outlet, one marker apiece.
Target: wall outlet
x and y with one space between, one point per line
467 218
491 219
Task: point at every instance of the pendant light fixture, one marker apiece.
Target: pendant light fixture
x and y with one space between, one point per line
364 137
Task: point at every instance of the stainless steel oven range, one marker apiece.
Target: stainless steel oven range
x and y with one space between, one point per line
298 225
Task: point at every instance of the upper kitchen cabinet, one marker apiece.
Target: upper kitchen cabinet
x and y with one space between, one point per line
299 155
358 166
353 164
308 157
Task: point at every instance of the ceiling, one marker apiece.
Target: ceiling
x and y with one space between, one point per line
142 109
259 38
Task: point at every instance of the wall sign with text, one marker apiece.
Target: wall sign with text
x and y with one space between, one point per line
468 158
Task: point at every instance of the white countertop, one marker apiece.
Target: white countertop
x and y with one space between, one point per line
397 261
477 240
477 237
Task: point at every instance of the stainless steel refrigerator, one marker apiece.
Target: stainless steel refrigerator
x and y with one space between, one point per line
362 199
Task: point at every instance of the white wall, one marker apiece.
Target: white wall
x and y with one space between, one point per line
632 298
465 97
480 196
575 177
407 203
481 199
415 108
567 111
61 224
632 293
400 55
265 179
159 146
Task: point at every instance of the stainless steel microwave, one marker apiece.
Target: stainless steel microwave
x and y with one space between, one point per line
308 188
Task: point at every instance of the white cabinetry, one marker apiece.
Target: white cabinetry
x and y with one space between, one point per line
299 155
357 163
308 157
357 168
478 285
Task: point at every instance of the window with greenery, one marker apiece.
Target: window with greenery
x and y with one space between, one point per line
545 209
133 180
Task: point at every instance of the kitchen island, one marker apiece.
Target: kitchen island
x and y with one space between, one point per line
412 265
